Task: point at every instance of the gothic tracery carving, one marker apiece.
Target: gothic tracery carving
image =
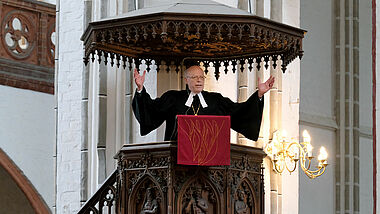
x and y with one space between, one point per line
19 34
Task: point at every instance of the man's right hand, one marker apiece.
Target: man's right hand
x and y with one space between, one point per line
139 80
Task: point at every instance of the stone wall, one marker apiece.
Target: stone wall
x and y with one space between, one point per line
69 93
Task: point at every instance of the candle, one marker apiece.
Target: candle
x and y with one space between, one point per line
309 149
306 137
322 157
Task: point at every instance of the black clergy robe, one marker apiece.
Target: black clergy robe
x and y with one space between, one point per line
151 113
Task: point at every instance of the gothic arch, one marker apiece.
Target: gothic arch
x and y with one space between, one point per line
24 184
136 199
250 193
199 181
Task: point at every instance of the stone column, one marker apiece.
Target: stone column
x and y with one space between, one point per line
102 113
128 89
243 82
260 8
128 95
69 97
84 145
275 111
347 105
166 80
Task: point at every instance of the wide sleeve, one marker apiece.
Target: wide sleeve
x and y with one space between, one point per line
151 113
245 117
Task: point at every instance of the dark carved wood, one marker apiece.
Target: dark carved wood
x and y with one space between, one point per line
193 38
149 177
104 199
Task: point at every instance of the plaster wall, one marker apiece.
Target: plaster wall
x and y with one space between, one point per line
70 15
27 136
290 83
317 109
365 179
313 193
317 98
289 183
317 92
365 107
365 65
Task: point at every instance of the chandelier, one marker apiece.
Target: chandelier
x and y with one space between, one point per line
287 154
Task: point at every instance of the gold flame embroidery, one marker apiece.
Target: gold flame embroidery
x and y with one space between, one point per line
202 135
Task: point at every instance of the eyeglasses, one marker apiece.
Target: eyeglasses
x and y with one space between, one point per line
196 77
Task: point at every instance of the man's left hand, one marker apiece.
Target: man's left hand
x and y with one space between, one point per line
266 86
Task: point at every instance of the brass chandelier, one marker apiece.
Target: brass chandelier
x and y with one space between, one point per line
285 155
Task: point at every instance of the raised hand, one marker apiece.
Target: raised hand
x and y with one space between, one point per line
266 86
139 80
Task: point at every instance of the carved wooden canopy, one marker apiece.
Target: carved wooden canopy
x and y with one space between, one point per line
192 31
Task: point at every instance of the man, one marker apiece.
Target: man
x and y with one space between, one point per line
245 117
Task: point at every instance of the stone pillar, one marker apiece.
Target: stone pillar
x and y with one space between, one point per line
84 145
290 92
128 83
226 85
56 63
166 80
131 5
243 84
102 113
275 110
69 97
128 95
347 105
260 8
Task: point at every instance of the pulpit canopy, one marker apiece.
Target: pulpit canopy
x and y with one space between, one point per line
189 32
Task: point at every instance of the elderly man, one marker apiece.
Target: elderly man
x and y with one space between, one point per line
151 113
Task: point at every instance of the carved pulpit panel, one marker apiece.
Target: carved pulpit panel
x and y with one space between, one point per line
150 181
198 196
244 199
147 197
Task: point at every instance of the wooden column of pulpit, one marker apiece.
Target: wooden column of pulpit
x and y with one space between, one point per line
150 180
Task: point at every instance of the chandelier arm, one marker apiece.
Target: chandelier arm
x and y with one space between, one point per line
303 163
276 169
294 165
312 176
308 162
318 170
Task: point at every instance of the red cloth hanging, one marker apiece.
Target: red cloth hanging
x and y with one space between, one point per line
203 140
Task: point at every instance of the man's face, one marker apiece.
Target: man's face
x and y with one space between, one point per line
195 79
